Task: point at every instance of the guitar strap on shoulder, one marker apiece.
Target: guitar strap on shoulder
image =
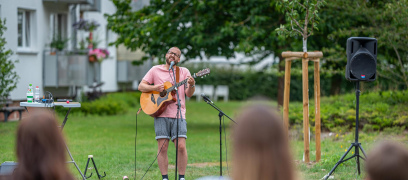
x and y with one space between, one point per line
177 74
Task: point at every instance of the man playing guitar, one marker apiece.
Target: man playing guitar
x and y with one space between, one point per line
165 123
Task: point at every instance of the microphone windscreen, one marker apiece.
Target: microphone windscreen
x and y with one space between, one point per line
171 65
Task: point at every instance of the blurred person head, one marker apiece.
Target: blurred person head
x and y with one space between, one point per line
40 149
387 161
261 148
173 54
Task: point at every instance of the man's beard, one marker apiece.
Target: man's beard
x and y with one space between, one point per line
168 61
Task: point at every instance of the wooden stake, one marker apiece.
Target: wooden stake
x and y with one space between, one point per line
286 96
305 78
317 108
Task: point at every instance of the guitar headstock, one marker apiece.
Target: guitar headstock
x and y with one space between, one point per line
203 72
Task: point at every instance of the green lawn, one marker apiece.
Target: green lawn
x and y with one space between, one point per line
111 139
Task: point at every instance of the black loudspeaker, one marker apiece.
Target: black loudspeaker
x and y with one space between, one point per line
361 59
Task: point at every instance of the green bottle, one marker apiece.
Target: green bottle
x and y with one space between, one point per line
30 93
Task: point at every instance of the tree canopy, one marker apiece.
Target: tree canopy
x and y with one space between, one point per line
217 28
221 28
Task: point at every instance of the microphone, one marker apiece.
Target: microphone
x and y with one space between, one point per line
206 98
171 65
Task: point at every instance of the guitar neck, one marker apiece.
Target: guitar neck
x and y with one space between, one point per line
179 84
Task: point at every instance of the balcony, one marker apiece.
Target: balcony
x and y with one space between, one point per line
126 71
94 7
64 70
71 1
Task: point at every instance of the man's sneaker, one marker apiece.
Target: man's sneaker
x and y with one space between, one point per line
165 179
182 179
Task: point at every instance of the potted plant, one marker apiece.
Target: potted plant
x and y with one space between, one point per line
88 26
98 55
58 44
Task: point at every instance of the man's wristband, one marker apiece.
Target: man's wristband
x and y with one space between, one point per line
192 86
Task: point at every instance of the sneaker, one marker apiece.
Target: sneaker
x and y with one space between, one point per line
182 179
165 179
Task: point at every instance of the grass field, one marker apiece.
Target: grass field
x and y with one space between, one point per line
111 139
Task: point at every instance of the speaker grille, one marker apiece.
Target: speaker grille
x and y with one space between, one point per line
363 66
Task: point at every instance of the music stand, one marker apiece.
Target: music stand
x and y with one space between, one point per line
220 114
355 144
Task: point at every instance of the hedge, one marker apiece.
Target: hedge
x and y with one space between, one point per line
377 111
110 104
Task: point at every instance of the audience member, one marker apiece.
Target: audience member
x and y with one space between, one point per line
387 161
40 149
260 146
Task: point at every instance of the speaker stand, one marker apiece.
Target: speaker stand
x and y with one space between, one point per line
357 146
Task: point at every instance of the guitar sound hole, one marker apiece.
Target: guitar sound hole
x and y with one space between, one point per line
152 98
163 93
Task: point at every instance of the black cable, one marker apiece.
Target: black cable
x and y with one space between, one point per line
172 78
135 146
153 160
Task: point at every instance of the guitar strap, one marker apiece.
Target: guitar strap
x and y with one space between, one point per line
177 74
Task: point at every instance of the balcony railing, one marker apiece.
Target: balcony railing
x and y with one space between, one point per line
65 69
71 1
94 7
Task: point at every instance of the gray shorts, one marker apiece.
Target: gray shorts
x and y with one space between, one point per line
165 127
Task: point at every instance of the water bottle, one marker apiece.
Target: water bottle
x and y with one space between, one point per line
30 93
37 95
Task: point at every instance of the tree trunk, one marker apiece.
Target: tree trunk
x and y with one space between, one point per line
281 80
304 45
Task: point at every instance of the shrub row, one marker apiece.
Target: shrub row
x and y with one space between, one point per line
246 84
378 110
110 104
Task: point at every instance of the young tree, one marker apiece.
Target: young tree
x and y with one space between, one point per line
8 77
303 17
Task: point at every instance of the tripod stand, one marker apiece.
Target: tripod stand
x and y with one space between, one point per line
208 101
355 144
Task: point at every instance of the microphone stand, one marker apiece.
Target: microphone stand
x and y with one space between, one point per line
177 120
221 113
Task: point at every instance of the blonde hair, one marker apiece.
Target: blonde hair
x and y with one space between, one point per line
261 148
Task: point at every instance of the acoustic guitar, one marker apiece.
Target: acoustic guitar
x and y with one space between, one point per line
154 103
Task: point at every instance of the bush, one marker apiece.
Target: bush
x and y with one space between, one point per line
378 111
246 84
8 75
111 104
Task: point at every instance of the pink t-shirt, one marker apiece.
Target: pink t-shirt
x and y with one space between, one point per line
158 75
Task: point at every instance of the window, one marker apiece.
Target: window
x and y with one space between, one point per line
24 28
58 25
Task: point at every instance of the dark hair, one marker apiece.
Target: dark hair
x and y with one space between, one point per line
40 149
261 148
388 161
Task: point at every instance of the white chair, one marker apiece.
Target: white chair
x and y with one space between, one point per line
221 90
208 90
197 93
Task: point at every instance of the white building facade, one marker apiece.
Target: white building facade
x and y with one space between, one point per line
31 26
